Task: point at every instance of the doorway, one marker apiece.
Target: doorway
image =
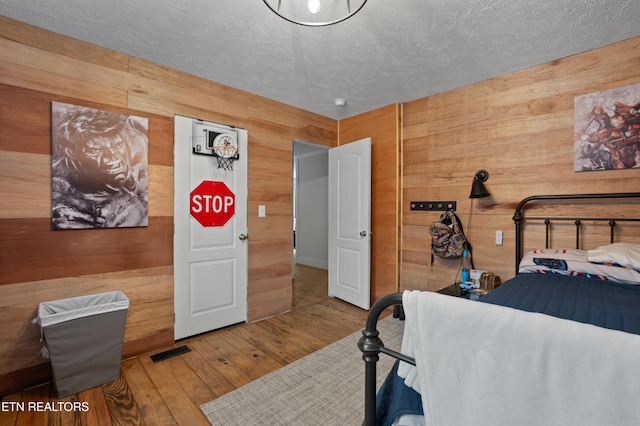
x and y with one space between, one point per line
310 169
335 239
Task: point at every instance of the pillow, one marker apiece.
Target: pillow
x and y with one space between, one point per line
575 263
626 255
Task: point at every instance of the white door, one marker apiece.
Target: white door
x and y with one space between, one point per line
350 222
210 262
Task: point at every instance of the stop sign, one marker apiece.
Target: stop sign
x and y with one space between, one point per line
212 203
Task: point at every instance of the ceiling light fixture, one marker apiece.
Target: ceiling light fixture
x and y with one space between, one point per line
315 13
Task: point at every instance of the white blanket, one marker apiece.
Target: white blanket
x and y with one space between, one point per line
482 364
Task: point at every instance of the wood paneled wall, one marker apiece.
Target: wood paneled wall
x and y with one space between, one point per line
38 264
518 127
383 127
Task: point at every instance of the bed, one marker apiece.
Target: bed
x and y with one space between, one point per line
551 342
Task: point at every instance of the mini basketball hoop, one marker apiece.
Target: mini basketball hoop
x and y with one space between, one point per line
225 149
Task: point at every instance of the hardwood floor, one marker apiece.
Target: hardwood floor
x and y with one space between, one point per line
170 392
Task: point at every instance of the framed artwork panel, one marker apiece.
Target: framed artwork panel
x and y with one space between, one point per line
99 168
607 130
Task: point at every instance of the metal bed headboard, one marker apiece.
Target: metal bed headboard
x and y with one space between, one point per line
519 217
370 343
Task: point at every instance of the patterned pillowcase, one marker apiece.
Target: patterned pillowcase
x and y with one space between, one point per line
626 255
575 263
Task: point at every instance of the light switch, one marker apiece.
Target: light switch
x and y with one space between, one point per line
498 238
262 211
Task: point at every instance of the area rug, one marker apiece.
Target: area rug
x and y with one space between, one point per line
324 388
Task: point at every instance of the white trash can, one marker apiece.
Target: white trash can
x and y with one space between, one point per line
83 336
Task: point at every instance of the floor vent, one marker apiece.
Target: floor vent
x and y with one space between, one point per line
170 353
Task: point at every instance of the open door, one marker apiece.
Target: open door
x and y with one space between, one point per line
350 222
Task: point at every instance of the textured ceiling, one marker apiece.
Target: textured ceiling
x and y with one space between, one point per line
391 51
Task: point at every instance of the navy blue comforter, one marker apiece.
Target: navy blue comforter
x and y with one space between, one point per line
602 303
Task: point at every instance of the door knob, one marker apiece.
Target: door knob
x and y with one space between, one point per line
243 237
363 233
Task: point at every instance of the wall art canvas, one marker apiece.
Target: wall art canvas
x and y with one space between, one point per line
99 168
607 130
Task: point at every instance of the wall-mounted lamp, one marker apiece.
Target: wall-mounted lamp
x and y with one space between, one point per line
478 190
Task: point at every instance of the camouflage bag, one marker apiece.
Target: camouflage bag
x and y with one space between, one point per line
447 237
